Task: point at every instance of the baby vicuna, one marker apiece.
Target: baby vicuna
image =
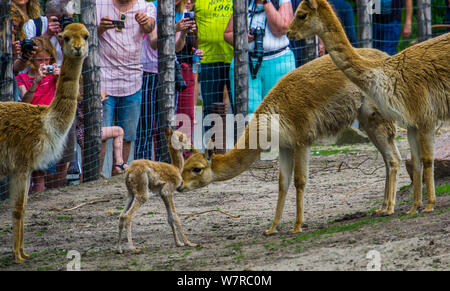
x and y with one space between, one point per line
158 177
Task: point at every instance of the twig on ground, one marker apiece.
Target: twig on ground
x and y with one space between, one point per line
360 187
207 211
81 205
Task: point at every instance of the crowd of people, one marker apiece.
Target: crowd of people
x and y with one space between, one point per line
128 51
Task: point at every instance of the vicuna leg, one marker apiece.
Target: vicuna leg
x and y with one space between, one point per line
417 169
286 164
383 140
19 184
166 197
300 178
177 221
426 146
137 196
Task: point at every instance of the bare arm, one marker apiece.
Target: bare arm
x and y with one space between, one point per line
280 19
228 34
406 31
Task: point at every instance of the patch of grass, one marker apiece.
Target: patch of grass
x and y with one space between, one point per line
341 228
405 187
443 190
333 152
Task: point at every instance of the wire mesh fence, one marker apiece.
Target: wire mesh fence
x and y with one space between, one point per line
143 73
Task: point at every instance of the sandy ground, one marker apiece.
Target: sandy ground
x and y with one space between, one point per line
341 232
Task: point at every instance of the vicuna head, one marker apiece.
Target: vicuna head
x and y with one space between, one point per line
197 171
177 140
306 21
75 40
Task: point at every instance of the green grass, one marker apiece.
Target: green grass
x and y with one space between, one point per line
443 190
341 228
332 152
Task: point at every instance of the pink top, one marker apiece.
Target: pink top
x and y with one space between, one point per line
149 55
45 90
120 52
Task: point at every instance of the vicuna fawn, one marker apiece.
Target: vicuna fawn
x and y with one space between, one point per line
160 178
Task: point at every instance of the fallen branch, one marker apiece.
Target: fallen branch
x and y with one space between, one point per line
78 206
358 188
213 210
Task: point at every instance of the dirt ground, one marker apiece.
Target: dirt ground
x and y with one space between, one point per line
341 230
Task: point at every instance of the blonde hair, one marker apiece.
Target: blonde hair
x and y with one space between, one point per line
44 45
33 9
18 17
181 6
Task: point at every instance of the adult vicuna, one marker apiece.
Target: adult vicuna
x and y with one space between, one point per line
160 178
412 87
312 101
33 136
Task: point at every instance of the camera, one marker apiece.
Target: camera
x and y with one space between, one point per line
258 34
119 24
64 21
190 15
50 69
27 46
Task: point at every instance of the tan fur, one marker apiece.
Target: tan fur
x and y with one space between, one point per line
143 176
33 136
312 101
412 86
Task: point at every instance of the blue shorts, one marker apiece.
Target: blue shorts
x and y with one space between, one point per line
126 111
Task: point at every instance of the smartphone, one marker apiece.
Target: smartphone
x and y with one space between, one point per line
118 23
189 14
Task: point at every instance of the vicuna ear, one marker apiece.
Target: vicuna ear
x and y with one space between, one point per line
312 4
168 131
193 150
209 150
60 36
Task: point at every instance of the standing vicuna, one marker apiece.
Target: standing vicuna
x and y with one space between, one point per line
160 178
312 101
412 87
33 136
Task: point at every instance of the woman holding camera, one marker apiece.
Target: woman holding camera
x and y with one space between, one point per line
38 85
269 54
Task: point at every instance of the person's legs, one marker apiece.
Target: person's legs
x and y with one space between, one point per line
386 36
128 113
185 105
272 70
147 119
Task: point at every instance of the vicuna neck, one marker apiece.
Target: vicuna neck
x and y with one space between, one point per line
235 161
176 158
341 51
63 107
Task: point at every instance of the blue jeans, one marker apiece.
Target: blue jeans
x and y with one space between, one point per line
126 111
386 36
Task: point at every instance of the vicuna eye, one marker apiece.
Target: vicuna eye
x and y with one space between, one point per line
302 16
86 37
197 170
66 38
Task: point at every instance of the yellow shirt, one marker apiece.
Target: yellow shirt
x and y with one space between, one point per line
212 17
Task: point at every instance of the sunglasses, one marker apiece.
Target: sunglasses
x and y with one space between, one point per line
119 25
